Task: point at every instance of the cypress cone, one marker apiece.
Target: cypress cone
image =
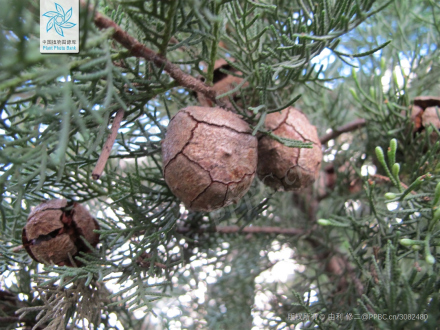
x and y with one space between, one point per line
53 229
282 167
209 157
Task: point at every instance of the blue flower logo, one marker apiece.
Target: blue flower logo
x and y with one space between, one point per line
59 20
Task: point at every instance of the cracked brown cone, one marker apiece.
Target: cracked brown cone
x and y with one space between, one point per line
53 229
282 167
209 157
424 113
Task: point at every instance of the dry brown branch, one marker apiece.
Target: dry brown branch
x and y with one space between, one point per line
139 50
144 261
354 125
105 153
18 248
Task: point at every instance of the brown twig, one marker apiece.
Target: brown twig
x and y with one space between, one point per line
99 168
143 261
354 125
139 50
18 248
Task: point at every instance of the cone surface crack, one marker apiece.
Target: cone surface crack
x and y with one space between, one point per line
215 125
304 169
223 183
210 176
226 195
298 158
194 162
186 144
44 238
297 163
282 122
303 137
201 193
231 182
209 186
